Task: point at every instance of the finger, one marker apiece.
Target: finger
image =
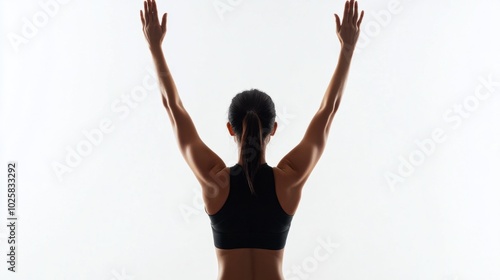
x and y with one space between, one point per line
355 17
361 18
164 23
151 11
142 19
146 12
337 19
349 14
155 11
346 13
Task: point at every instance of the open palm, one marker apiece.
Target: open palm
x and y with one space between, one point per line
348 31
153 30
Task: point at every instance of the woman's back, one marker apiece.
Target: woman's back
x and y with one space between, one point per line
252 263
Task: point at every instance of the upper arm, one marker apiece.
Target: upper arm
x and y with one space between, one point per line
204 163
300 161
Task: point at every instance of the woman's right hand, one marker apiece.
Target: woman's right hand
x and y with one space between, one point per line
348 31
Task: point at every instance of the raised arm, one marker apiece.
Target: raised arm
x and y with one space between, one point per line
300 161
348 33
204 163
154 33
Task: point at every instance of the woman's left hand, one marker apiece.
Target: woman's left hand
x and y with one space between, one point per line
153 31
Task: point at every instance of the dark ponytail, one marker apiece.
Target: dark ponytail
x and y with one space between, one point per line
251 146
251 115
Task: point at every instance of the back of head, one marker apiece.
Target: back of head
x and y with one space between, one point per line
252 115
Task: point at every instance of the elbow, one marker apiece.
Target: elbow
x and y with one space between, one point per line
336 104
164 101
335 108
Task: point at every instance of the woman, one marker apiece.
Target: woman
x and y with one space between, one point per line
251 205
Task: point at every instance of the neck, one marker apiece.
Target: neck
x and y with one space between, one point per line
262 160
264 146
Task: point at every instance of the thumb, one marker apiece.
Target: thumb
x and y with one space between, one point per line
337 19
164 22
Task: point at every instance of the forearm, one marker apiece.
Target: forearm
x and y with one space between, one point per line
333 93
166 82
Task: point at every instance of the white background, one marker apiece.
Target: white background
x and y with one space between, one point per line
130 208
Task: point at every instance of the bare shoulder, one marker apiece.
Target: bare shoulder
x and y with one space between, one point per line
215 196
286 180
288 190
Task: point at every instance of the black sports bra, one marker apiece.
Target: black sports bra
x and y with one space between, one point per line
251 221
